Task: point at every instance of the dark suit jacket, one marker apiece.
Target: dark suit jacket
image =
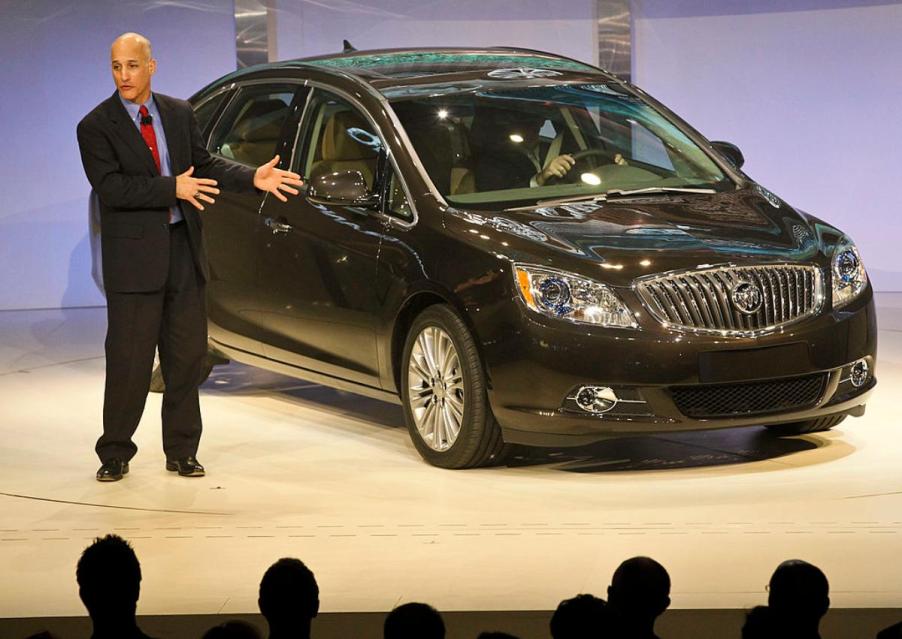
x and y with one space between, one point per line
135 199
503 168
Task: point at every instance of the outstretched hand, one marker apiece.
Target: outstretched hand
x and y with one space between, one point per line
269 178
194 190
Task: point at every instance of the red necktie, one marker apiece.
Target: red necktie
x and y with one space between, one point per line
150 138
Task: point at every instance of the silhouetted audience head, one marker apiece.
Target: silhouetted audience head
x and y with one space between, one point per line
289 598
798 595
893 632
232 630
583 616
109 582
496 635
414 621
759 624
638 594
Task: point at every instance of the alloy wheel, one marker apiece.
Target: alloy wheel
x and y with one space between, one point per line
436 387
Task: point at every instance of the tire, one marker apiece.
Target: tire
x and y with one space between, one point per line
158 385
456 397
809 426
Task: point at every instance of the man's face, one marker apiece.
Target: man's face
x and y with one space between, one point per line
132 69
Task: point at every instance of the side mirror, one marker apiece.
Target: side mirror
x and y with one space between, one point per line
341 188
731 152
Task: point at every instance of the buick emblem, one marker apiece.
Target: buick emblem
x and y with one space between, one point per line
746 298
522 74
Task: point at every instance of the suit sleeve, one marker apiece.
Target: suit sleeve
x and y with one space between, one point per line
503 171
231 176
116 189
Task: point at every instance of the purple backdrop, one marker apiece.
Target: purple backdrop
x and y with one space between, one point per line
56 69
809 89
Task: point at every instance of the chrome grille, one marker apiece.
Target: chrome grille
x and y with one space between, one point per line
700 300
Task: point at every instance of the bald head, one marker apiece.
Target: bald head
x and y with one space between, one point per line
132 42
133 65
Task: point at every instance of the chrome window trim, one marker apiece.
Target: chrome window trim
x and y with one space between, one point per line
294 143
400 133
393 219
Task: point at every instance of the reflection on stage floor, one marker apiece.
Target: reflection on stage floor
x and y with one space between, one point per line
295 469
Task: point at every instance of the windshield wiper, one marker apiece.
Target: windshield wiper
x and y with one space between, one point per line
601 197
584 199
658 189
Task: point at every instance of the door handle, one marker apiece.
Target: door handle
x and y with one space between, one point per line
277 227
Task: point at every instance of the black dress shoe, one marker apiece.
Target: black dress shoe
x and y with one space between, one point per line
112 470
186 467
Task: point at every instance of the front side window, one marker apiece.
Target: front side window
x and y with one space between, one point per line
250 130
505 147
397 203
339 138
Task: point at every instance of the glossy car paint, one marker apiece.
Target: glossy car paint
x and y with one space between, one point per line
327 292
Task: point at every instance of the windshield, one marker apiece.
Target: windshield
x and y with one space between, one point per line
513 147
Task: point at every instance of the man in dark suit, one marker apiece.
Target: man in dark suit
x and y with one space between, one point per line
509 155
144 156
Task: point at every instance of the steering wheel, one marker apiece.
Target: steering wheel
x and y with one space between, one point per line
579 155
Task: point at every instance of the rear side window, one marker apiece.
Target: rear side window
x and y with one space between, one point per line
209 108
250 130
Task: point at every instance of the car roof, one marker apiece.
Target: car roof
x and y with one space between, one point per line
388 69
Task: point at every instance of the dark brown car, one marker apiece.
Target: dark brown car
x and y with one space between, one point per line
523 249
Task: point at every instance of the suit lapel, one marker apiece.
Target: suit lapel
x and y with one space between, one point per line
128 132
177 163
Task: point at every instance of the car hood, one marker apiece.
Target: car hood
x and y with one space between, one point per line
639 235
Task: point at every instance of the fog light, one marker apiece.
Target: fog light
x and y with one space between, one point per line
860 373
596 399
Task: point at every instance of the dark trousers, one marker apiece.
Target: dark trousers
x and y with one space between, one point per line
173 318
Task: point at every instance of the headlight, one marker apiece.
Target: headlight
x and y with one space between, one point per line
849 277
571 297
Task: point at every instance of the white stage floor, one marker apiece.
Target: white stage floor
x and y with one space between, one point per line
295 469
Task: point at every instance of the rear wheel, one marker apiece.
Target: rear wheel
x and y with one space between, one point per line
443 389
808 426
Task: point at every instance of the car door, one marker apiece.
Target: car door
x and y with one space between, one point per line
318 266
250 131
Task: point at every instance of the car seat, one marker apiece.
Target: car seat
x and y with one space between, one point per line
340 151
253 140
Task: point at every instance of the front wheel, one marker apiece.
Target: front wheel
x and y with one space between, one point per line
816 425
443 389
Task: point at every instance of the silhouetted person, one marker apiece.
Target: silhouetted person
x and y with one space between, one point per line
638 594
414 621
496 635
799 597
893 632
232 630
109 582
508 151
759 624
289 599
582 617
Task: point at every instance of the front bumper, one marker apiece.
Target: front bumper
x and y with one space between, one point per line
534 365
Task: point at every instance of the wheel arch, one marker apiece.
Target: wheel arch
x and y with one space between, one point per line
415 304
